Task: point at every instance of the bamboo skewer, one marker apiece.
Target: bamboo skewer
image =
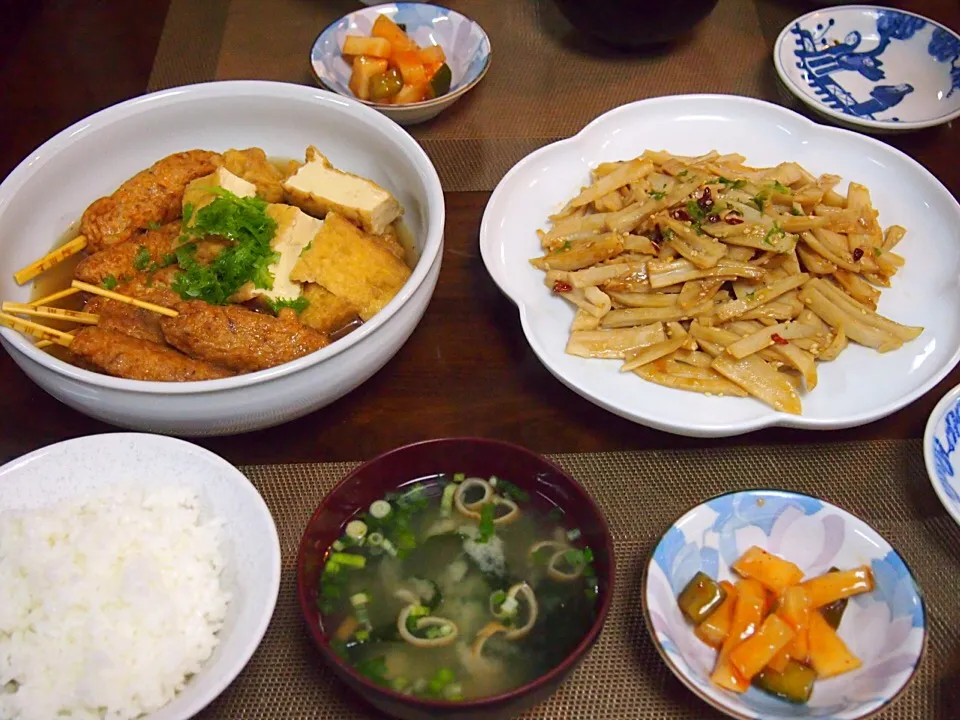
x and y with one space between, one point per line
84 318
52 297
50 259
159 309
41 332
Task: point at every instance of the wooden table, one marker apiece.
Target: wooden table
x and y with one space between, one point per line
467 370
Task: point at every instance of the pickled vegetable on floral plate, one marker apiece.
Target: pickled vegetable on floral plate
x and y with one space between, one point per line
389 67
772 627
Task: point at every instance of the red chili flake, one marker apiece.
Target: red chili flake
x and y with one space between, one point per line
561 287
680 214
857 254
733 218
778 340
705 201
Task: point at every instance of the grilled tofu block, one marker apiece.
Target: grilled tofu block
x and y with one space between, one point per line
199 191
326 312
352 265
318 188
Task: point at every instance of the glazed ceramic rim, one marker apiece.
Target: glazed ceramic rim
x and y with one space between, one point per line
432 241
853 120
443 100
233 665
928 460
682 676
554 674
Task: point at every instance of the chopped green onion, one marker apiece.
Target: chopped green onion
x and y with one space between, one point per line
446 502
573 535
331 568
555 513
453 691
459 477
389 547
356 529
375 539
493 480
486 522
359 599
362 635
510 606
348 559
338 545
399 684
498 597
380 509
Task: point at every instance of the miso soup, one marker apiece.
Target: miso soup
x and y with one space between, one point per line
457 588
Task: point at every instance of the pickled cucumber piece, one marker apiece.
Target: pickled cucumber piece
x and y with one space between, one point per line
700 597
440 82
794 684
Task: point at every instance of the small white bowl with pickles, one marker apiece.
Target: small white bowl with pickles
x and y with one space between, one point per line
465 46
865 648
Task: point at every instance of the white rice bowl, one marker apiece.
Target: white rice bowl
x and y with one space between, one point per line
187 503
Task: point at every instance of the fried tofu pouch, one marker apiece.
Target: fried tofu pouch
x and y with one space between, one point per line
326 312
352 265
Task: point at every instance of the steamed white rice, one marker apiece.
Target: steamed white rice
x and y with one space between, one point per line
108 603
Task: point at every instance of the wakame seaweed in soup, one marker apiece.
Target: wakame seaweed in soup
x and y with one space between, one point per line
457 588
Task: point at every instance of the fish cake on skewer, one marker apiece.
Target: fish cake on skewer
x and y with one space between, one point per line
151 196
239 339
120 355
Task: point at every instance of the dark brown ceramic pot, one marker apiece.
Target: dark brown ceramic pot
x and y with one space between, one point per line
635 23
473 456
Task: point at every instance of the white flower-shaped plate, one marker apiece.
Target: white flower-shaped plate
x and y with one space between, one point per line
885 629
857 388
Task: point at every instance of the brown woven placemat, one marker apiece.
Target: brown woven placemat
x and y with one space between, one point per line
545 81
641 493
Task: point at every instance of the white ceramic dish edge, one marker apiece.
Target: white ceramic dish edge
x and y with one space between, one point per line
21 485
492 248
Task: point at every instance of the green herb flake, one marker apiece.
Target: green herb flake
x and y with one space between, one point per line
109 282
142 259
734 184
777 231
683 173
877 252
187 213
695 212
751 295
566 246
781 188
298 304
244 222
796 211
658 194
759 200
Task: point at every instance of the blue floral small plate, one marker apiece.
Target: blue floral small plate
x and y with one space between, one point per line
464 43
886 629
940 443
872 67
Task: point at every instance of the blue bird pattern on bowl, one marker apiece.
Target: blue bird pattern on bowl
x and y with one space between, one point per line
828 52
885 628
945 441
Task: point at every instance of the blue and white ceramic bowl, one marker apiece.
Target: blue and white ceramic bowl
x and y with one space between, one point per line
940 443
886 628
872 67
464 42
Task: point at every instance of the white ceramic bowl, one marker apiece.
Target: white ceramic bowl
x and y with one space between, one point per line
857 388
464 42
940 442
51 188
869 67
250 545
886 628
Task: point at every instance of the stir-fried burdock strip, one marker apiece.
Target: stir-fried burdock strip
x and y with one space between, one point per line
240 339
152 196
128 357
127 319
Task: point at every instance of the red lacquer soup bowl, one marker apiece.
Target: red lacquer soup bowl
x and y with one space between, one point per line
474 457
